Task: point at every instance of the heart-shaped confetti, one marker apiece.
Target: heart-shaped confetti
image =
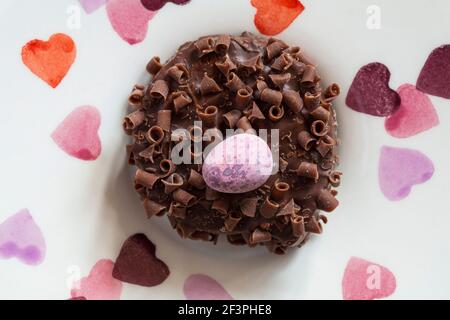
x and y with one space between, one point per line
20 237
154 5
365 280
129 18
273 16
137 263
370 92
99 285
401 169
91 5
434 78
415 114
203 287
50 60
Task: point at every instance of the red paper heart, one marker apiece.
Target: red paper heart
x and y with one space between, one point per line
273 16
50 60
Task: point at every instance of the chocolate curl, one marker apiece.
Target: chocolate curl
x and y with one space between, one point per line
177 211
272 97
305 140
135 99
260 86
133 120
232 221
260 236
236 239
298 68
283 62
335 178
280 80
205 46
231 118
196 133
172 183
154 66
269 208
313 226
319 128
308 170
159 90
312 101
148 153
130 154
325 145
209 116
248 207
179 73
332 92
146 179
283 165
209 85
226 66
184 198
155 135
184 230
256 113
244 124
196 180
309 75
180 100
221 205
253 63
153 208
167 167
275 48
234 82
211 194
164 119
288 210
276 113
243 97
326 201
306 59
321 113
280 191
293 100
298 226
222 44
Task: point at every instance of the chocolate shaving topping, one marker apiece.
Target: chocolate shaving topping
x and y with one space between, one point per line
248 206
209 85
154 66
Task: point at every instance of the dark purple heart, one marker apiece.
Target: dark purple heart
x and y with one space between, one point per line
154 5
138 264
370 92
434 78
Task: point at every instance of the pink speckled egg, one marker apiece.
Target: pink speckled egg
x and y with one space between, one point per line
240 163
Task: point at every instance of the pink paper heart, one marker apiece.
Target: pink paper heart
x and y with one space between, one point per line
400 170
78 136
365 280
370 92
203 287
99 285
20 237
91 5
415 114
129 18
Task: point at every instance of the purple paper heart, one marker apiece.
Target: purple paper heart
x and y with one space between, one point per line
400 170
370 92
20 237
203 287
91 5
154 5
434 78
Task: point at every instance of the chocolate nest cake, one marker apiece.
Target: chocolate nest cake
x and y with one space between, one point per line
237 82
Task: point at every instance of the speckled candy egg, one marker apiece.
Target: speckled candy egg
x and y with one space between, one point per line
240 163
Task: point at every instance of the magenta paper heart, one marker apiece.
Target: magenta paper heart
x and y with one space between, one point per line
155 5
20 237
129 18
415 114
365 280
434 78
203 287
400 170
91 5
78 136
370 92
99 285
